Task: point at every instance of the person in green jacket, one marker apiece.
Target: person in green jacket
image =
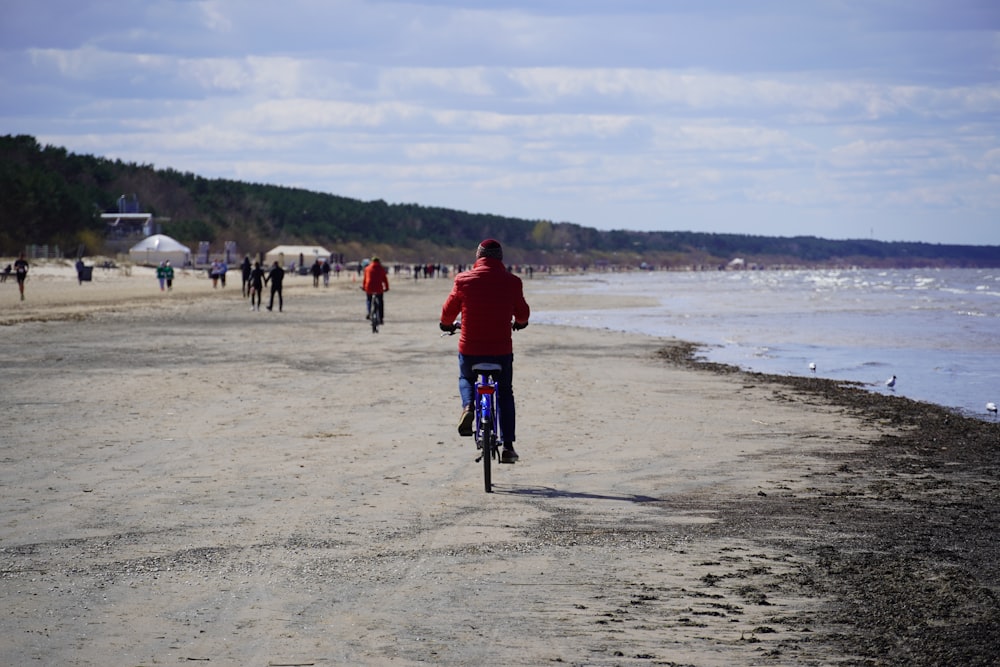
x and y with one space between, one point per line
161 275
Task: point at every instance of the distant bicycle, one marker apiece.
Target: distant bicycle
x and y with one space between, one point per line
376 314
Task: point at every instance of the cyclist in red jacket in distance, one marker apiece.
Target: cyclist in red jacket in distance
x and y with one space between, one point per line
491 302
376 281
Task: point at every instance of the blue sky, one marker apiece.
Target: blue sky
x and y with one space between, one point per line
834 118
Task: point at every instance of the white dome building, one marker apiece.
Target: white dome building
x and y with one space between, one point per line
159 247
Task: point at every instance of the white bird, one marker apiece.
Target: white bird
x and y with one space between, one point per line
812 365
992 407
891 382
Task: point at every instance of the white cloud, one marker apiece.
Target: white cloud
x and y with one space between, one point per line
214 17
587 111
460 81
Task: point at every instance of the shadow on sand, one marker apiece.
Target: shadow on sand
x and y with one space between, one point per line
549 492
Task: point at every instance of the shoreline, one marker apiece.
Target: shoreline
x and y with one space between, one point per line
905 531
188 480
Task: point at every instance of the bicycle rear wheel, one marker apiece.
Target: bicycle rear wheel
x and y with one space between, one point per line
487 422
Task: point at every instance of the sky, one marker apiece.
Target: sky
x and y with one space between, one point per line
833 118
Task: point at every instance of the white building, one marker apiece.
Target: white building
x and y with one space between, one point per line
301 255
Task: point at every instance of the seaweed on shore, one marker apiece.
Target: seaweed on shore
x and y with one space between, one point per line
908 547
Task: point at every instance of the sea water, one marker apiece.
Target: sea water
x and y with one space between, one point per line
936 330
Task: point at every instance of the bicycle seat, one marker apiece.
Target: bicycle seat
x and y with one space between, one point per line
484 368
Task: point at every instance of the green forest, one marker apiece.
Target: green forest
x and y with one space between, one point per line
55 197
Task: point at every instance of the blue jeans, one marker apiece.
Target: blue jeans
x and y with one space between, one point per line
505 398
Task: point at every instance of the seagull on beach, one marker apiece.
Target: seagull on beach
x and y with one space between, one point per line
812 366
891 382
992 407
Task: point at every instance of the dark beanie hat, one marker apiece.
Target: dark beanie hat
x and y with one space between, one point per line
490 248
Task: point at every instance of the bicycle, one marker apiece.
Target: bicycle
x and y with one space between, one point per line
376 312
487 430
487 433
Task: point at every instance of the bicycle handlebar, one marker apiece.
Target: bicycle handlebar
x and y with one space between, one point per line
514 326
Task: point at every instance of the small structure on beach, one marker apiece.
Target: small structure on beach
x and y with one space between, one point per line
301 255
159 247
129 220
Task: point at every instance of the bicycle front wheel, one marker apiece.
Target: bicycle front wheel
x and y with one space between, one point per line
489 446
376 313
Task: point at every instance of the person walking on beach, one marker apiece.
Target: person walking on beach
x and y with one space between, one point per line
21 272
491 303
316 270
276 276
376 281
246 267
256 286
161 275
213 273
168 272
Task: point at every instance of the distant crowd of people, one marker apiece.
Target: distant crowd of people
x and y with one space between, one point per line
255 276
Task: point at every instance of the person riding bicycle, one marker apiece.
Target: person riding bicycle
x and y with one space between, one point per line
376 281
491 302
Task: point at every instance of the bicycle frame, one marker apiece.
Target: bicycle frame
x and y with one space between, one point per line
487 432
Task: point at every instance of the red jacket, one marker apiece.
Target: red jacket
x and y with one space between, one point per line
488 298
376 281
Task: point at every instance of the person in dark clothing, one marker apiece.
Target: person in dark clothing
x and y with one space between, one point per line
246 267
256 286
316 271
275 277
21 272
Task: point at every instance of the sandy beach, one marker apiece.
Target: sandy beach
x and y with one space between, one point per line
187 481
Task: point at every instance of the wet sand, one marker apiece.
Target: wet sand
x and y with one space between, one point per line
188 481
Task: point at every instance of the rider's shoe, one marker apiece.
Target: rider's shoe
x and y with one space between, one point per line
508 455
465 423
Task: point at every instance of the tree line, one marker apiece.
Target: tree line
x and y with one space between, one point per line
52 196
